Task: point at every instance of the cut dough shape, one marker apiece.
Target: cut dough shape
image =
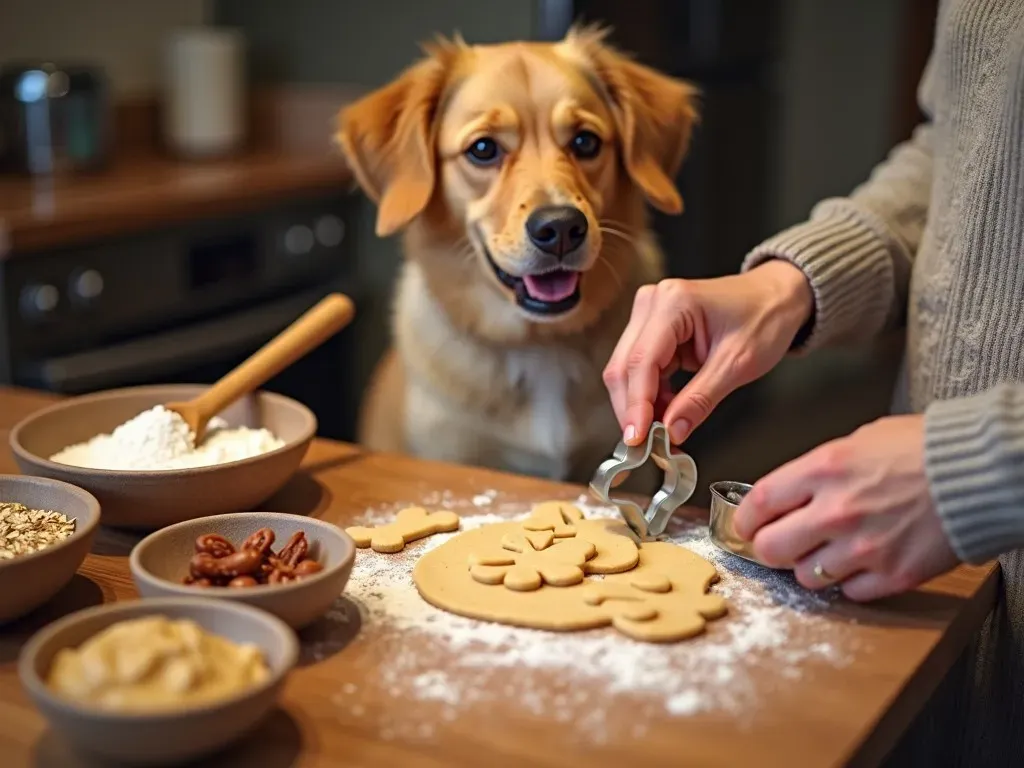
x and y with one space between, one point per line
522 567
616 548
540 539
410 524
555 516
444 581
641 608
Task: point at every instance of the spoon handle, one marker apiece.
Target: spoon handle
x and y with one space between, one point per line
313 328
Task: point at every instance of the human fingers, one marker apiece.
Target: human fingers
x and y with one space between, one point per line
653 353
791 537
833 563
787 488
616 375
870 585
664 398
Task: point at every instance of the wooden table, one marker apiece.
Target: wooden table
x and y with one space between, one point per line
334 703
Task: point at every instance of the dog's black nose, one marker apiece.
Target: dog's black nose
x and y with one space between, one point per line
557 229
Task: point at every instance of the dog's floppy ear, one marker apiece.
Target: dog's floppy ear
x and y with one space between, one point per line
387 138
655 114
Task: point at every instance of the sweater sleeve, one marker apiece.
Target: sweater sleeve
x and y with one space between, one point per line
974 458
857 251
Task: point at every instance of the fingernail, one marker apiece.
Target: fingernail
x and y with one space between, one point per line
630 434
678 430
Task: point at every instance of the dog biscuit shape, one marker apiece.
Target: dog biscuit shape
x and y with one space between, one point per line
410 524
649 606
616 550
522 567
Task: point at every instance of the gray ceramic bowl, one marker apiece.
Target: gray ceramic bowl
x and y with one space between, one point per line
160 561
159 738
149 500
28 581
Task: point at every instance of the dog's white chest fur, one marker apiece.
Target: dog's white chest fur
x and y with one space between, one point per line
544 377
505 407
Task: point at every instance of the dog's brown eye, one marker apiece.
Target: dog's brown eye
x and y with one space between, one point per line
484 151
586 145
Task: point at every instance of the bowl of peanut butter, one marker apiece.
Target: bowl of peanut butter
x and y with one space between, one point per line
159 681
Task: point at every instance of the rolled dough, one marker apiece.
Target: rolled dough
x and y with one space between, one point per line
629 602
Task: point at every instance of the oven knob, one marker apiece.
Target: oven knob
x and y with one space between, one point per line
298 240
87 285
330 230
39 300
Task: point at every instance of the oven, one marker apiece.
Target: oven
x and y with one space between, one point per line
185 305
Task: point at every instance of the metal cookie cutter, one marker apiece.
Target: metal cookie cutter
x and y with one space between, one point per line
726 496
679 483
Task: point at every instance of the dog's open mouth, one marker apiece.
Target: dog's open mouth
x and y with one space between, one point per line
550 293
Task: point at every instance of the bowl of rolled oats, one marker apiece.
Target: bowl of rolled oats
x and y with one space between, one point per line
46 529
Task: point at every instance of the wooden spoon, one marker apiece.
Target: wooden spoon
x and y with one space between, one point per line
312 329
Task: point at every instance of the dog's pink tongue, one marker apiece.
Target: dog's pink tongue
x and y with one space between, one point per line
553 286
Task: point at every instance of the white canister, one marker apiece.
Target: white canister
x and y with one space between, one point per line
204 100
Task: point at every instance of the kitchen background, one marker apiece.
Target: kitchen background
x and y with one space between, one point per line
167 265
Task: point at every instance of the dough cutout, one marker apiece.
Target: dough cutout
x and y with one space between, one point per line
540 539
554 516
522 567
648 606
616 549
632 606
409 524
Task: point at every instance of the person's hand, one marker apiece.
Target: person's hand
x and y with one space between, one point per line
729 330
855 511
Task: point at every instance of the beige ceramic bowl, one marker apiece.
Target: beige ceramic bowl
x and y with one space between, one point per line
28 581
166 737
160 561
149 500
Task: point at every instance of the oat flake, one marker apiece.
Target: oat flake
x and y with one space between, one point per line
24 530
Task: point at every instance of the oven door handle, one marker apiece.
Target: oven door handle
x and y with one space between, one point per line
159 355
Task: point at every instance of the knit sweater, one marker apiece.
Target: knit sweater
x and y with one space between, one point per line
934 240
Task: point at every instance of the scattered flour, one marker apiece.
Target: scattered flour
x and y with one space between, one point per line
484 499
774 632
160 439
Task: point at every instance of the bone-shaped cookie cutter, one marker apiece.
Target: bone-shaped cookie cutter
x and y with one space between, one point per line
676 489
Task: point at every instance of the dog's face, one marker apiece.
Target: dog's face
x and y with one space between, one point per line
522 169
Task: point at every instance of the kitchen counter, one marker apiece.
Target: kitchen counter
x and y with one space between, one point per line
290 154
146 190
397 683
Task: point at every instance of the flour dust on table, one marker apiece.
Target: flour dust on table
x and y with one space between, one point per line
443 666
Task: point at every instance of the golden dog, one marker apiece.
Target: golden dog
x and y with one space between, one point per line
518 175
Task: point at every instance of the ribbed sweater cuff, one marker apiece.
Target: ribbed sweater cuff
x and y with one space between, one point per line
974 457
849 268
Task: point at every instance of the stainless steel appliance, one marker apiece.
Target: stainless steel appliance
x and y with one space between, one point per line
185 305
53 119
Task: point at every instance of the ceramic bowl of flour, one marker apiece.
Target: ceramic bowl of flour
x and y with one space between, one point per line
146 499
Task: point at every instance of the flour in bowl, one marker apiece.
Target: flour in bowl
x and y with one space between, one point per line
160 439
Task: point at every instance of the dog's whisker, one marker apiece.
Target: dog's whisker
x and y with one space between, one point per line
618 233
616 223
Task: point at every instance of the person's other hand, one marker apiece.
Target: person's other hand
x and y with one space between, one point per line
729 331
857 511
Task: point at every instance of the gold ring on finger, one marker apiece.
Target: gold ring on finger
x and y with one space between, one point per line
822 575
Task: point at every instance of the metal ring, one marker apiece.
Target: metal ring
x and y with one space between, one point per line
822 575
